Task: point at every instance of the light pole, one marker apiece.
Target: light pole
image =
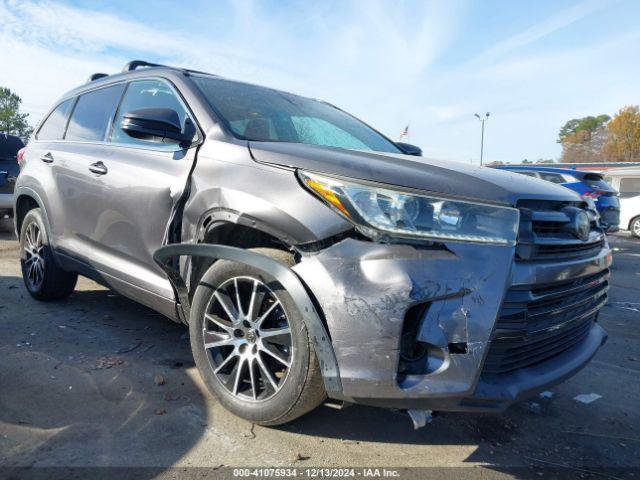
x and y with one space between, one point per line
486 117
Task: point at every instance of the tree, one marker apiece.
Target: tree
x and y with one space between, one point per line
587 124
583 139
584 147
11 120
623 141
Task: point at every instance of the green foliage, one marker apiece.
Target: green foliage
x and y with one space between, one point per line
588 125
11 120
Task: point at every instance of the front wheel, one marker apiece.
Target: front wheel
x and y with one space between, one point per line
635 227
44 279
251 346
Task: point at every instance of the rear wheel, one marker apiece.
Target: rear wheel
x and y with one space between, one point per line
44 279
251 346
635 227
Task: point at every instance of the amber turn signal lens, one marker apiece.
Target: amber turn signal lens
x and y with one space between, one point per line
327 194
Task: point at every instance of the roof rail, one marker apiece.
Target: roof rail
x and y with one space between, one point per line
96 76
133 64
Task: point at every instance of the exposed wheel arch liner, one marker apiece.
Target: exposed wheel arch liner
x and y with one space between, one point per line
228 215
289 280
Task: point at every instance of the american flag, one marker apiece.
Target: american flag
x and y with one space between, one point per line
405 133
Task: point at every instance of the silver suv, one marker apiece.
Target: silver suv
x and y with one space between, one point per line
310 255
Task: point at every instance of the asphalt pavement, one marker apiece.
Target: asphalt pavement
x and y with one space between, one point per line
79 387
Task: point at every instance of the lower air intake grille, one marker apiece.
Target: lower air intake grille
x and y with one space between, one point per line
537 322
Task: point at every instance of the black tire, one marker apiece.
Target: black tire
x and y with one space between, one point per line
49 282
634 227
300 391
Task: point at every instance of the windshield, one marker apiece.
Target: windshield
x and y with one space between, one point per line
262 114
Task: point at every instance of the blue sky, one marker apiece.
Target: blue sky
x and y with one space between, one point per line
432 64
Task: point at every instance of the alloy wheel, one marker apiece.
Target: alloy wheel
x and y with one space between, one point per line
34 259
247 336
636 228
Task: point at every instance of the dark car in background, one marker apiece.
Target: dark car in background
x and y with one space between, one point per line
10 145
590 185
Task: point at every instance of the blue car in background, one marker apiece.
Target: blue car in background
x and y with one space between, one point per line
589 185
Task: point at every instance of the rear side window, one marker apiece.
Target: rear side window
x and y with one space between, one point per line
147 94
630 187
528 174
91 118
53 126
552 177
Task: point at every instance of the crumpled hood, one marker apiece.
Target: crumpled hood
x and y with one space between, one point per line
439 177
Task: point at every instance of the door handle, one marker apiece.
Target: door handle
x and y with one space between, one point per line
98 168
47 158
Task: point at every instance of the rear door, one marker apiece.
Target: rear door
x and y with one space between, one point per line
84 143
131 187
45 164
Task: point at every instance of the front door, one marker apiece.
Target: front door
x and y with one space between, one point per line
134 184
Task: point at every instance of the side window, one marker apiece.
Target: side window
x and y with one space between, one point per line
93 114
629 187
53 127
551 177
146 94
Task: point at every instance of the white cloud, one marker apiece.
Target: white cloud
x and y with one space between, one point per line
550 25
381 60
69 43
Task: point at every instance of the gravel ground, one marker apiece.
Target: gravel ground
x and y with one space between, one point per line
77 389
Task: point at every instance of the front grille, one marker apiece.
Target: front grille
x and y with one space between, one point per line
538 322
547 232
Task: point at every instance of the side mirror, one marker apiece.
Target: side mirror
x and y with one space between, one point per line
409 149
157 125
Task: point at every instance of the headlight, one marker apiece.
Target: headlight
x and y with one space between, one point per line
380 212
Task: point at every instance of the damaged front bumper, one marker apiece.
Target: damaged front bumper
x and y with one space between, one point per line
370 292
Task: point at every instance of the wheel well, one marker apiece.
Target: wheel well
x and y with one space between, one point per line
233 235
23 205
